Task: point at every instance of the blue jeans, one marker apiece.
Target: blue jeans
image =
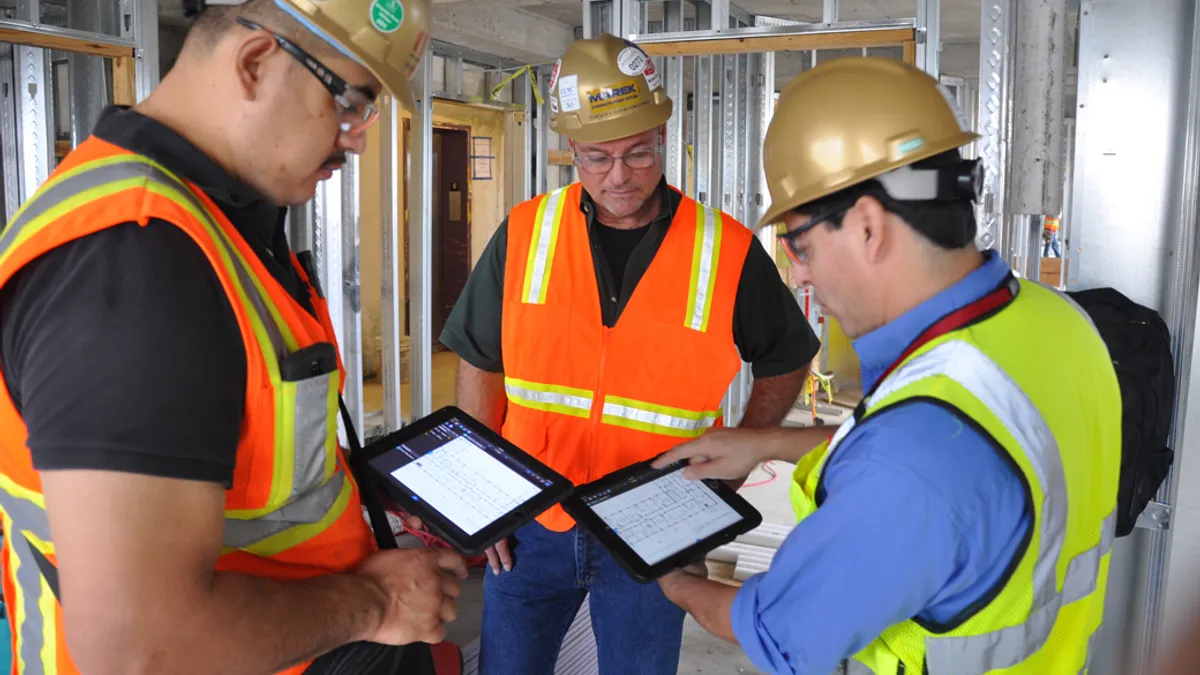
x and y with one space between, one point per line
526 612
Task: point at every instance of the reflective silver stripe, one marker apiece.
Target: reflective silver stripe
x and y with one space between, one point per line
854 667
58 193
986 381
131 168
307 509
547 234
27 517
311 432
704 273
657 418
1091 649
550 397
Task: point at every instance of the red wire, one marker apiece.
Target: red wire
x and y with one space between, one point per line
769 470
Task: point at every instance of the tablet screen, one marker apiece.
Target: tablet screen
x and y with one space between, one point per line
658 515
461 475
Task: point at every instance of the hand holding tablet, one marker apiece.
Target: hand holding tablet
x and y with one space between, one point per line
474 488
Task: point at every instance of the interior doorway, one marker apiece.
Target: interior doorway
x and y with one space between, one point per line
451 222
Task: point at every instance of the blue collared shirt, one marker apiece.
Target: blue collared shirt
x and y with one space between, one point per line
921 518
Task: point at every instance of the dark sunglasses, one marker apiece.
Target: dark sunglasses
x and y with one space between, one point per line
356 109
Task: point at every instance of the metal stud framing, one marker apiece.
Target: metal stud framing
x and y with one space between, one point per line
420 237
391 291
995 102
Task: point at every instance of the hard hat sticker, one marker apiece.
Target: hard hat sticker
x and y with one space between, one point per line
554 74
631 61
553 104
568 92
610 100
653 79
387 15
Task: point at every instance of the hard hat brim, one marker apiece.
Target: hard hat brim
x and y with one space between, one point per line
813 192
601 132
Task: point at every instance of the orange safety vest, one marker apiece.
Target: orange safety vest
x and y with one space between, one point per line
587 399
293 511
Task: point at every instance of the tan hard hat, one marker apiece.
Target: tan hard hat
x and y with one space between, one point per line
849 120
388 37
606 88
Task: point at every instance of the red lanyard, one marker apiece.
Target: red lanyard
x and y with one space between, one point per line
963 316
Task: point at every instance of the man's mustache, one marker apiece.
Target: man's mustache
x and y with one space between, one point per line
334 161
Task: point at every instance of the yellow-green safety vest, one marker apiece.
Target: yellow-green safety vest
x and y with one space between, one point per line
1037 380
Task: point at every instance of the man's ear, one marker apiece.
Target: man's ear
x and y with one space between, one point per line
874 225
251 59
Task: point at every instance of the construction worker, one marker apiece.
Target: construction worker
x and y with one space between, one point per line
1050 238
169 464
603 325
960 521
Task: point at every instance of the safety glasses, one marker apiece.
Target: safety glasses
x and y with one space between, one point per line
791 240
356 109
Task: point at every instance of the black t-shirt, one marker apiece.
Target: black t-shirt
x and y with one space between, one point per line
120 349
769 328
618 246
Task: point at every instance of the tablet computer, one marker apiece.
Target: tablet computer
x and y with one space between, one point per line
466 483
653 521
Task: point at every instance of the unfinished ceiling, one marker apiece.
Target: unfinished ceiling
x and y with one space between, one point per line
539 30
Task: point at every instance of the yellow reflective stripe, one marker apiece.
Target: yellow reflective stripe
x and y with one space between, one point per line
64 176
657 419
549 397
46 605
542 245
705 253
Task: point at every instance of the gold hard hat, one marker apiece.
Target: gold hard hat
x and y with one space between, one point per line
849 120
388 37
606 88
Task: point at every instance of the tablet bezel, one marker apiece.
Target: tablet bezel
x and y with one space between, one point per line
500 529
625 556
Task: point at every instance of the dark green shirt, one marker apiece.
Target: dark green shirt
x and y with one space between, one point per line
769 328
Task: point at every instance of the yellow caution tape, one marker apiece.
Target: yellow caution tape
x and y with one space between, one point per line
537 95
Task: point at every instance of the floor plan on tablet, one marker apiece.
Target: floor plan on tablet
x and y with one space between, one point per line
666 515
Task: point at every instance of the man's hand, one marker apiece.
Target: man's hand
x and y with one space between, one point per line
499 556
727 454
420 586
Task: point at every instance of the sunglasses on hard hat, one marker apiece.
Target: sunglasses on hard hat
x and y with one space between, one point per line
356 109
791 239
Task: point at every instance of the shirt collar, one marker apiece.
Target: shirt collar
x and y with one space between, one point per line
881 347
668 205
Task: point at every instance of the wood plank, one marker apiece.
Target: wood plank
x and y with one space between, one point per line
124 84
66 44
888 37
910 52
559 158
61 148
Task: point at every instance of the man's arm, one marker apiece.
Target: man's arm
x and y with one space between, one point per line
136 558
481 394
707 601
922 517
771 398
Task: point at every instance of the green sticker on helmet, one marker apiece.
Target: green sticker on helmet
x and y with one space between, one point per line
387 15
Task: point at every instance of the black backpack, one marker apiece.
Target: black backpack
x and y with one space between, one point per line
1140 347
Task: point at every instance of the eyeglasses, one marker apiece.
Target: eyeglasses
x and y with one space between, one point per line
356 110
791 239
638 159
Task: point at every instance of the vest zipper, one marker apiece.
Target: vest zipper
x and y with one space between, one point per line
598 404
900 669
